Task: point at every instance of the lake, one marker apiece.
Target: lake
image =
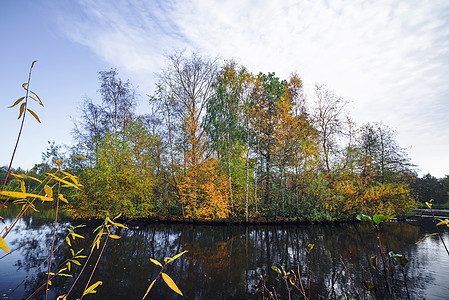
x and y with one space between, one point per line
228 262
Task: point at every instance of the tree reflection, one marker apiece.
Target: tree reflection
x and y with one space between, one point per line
228 261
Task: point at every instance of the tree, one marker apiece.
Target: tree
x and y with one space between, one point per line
186 86
268 92
118 99
381 156
328 119
225 123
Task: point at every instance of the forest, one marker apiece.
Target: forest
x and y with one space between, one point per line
222 143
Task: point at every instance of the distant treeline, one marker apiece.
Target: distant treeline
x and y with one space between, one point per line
223 143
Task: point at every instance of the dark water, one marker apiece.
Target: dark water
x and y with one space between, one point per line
227 262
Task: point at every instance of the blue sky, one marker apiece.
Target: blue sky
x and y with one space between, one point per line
390 59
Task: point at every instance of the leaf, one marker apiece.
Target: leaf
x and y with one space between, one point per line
40 101
3 245
34 114
113 236
58 162
274 268
364 218
61 197
24 195
443 222
22 187
91 289
17 102
74 235
379 218
63 181
171 284
176 256
149 288
68 241
155 262
22 108
425 237
73 178
31 177
32 64
25 86
76 262
48 191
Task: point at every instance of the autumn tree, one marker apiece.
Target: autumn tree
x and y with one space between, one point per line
226 125
185 87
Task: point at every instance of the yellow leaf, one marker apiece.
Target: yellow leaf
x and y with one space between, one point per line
76 262
58 162
40 101
63 181
22 108
429 235
61 197
24 195
74 235
155 262
73 178
31 177
34 114
17 102
22 186
3 245
91 289
149 288
68 265
113 236
68 241
176 256
49 282
171 284
48 191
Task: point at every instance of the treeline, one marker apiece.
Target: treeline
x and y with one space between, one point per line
224 143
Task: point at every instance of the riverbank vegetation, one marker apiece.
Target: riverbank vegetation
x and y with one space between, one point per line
223 143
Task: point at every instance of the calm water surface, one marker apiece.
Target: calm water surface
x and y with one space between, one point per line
227 262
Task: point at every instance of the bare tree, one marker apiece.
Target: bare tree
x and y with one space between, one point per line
328 118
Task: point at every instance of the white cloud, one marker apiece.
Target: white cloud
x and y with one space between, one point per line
388 57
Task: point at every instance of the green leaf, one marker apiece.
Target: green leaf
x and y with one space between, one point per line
149 288
155 262
274 268
34 114
171 284
379 218
3 245
364 218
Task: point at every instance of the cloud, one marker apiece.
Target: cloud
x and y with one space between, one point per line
389 58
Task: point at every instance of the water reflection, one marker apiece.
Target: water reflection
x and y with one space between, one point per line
227 262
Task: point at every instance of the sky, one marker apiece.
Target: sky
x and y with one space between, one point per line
389 59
